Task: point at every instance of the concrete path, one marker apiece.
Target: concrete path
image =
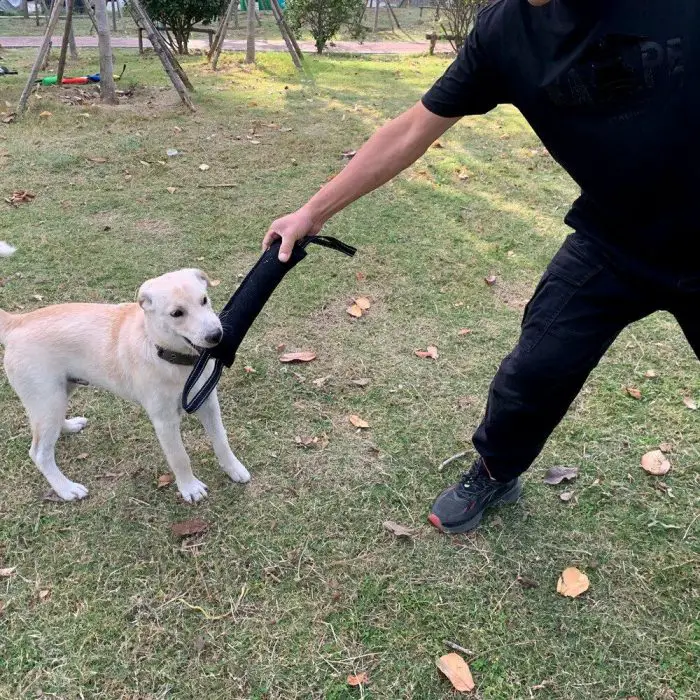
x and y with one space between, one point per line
351 47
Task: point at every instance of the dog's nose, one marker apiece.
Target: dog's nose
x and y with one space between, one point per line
215 337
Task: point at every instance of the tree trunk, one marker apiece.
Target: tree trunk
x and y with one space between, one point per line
25 9
114 16
108 91
72 45
66 40
250 40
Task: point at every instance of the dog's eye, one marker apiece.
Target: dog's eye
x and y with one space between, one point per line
204 301
177 313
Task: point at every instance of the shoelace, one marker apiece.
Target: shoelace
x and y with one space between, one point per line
473 482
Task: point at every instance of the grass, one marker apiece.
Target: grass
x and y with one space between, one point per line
413 27
296 584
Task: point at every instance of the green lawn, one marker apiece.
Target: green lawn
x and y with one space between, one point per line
296 584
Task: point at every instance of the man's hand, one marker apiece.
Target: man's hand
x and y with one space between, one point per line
290 229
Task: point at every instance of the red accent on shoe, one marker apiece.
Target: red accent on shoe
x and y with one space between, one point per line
435 521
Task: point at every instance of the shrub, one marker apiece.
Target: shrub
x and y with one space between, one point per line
324 18
181 15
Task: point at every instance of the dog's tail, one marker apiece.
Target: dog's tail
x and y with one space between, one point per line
5 319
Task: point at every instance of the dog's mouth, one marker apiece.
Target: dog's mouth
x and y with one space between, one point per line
198 349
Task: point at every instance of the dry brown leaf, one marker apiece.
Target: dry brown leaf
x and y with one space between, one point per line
359 679
6 573
349 154
363 302
303 356
203 167
214 283
526 582
358 422
398 530
362 381
306 441
46 114
189 527
689 403
650 374
491 280
556 475
655 463
172 190
165 480
457 671
38 297
44 594
355 311
9 118
566 496
464 331
666 447
437 144
431 352
83 455
634 392
464 174
321 381
97 159
572 582
281 347
359 276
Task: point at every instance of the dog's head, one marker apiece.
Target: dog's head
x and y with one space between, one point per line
178 310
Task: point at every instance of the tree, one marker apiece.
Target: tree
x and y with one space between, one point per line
250 33
458 18
324 18
108 91
181 15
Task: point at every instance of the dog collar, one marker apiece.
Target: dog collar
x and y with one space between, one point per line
176 358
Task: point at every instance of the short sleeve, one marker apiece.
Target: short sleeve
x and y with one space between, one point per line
471 85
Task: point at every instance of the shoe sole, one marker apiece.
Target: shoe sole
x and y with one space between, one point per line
511 496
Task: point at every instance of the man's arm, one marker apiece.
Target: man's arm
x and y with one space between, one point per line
387 153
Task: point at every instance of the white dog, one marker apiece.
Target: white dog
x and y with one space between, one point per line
142 352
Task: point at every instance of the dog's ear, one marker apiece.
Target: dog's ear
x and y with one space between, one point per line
144 298
203 276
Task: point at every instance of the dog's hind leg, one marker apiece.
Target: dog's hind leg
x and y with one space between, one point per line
47 417
210 416
73 425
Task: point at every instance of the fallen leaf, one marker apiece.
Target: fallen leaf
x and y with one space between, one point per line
464 174
398 530
358 422
634 392
172 152
457 671
572 583
38 297
203 167
360 276
431 352
97 159
215 283
45 114
306 441
464 331
689 403
9 118
20 197
83 455
189 527
349 154
437 144
556 475
255 142
362 381
6 573
526 582
281 347
359 679
177 129
655 463
650 374
363 302
44 594
321 381
172 190
249 369
566 496
666 447
165 480
303 356
355 311
490 280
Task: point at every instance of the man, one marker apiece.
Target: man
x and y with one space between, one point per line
612 88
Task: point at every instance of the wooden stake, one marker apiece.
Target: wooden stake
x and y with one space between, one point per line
114 15
90 13
218 42
64 44
277 11
40 57
72 45
24 5
166 58
36 13
376 15
393 14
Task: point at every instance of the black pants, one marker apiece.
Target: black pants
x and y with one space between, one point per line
582 303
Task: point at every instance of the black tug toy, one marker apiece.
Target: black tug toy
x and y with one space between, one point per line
243 308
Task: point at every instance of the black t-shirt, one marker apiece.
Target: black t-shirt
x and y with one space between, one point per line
612 88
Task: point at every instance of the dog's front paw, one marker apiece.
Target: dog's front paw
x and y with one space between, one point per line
70 491
193 491
238 473
74 425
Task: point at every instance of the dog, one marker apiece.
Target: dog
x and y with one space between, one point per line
141 351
